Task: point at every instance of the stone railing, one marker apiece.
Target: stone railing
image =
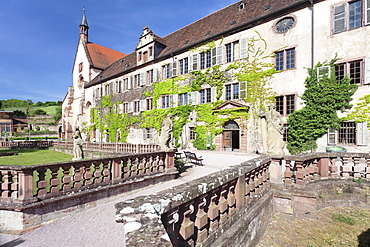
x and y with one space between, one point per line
201 212
301 169
27 144
111 147
21 187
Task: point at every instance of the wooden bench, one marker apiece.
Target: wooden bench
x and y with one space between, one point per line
192 158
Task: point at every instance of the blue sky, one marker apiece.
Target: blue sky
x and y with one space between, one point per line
38 38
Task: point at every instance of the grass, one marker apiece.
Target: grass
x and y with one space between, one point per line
30 157
334 226
50 110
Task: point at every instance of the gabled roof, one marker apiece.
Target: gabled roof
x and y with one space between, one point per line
229 105
228 20
101 57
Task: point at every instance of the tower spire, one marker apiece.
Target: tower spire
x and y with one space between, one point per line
84 27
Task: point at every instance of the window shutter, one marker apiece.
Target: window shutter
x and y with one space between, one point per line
142 105
213 56
155 75
194 98
142 80
174 69
367 70
130 107
243 48
361 132
323 70
175 100
144 133
213 93
129 86
194 62
243 90
367 12
331 136
339 18
219 55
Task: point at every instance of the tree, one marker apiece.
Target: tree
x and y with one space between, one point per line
324 97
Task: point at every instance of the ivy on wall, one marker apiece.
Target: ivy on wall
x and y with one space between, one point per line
324 97
252 73
361 112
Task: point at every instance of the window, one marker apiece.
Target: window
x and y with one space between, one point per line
137 80
166 71
184 66
145 56
136 106
350 133
347 133
232 91
192 135
183 99
149 104
80 67
352 69
125 107
232 51
349 16
165 101
148 133
205 60
150 51
285 105
205 96
285 59
285 132
150 77
5 127
140 56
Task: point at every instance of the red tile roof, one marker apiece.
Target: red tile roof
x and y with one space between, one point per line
102 57
228 20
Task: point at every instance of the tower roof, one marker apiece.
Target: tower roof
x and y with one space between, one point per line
84 19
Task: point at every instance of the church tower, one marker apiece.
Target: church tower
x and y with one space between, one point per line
84 28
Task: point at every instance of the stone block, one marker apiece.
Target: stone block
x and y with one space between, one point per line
202 235
283 205
187 229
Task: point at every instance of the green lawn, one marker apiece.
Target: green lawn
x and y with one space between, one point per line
50 110
30 157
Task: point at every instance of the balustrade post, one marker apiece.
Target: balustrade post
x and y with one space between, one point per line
356 167
288 173
323 165
170 160
25 190
116 170
300 173
66 180
333 169
240 192
213 213
276 170
55 181
346 167
368 168
187 228
201 220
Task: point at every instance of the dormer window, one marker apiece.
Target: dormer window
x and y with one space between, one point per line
150 51
241 6
140 56
145 57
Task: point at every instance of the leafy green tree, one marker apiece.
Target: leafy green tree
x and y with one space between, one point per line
324 97
39 112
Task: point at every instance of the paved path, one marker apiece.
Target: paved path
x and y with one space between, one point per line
97 226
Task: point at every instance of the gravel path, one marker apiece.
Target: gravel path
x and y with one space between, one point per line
97 227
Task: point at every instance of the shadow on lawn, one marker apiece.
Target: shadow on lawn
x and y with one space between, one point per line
20 151
364 239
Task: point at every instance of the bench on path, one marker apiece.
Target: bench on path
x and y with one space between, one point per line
192 158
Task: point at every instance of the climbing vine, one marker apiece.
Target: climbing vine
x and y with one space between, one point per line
361 112
324 97
252 74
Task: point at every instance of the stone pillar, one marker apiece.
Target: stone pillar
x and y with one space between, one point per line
170 159
276 171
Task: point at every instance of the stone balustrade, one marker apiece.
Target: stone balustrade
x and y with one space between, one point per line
24 184
199 212
91 146
28 189
301 169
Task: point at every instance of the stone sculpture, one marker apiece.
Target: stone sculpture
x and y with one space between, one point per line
166 136
272 131
77 145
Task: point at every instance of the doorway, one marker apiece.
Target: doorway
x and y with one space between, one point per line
231 136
